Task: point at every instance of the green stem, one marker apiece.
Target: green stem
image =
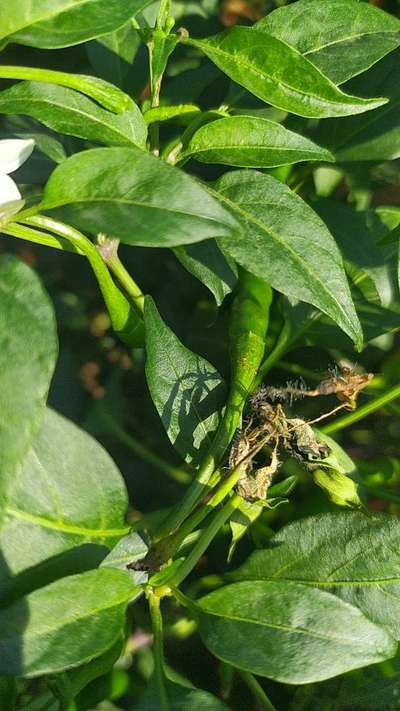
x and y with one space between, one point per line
157 624
163 13
205 539
108 248
362 412
257 691
101 91
123 317
248 328
175 473
221 493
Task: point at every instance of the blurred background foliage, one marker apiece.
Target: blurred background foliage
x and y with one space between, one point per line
101 386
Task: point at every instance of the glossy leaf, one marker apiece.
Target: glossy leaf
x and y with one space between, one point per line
340 37
208 264
73 114
51 24
28 350
376 136
285 242
64 624
251 142
279 74
290 633
135 197
68 493
187 391
350 554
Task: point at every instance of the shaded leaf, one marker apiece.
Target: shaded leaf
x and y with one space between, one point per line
112 55
251 142
180 698
208 264
187 391
376 137
68 493
351 554
64 624
279 74
340 37
290 633
285 242
28 349
357 234
73 114
135 197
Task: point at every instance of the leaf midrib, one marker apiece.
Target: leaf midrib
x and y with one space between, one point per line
350 37
319 100
66 527
52 205
87 116
282 627
305 266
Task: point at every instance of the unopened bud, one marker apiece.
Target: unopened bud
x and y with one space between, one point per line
341 489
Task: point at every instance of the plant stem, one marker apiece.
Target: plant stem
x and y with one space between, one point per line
163 12
157 624
257 690
175 473
201 485
363 411
205 539
104 93
221 493
248 328
108 248
124 319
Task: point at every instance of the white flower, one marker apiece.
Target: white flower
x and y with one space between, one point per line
13 153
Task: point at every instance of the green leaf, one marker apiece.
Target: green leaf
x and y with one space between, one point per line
340 37
279 75
68 493
286 243
135 197
208 264
8 693
351 554
51 24
64 624
372 137
187 391
112 55
130 549
28 350
290 633
73 114
241 520
180 698
251 143
362 254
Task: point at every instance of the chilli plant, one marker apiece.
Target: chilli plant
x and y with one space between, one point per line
237 159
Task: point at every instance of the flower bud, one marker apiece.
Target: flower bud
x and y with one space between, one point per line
341 489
